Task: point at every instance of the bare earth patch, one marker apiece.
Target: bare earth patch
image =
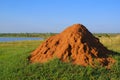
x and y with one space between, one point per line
76 45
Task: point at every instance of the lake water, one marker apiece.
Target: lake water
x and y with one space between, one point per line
9 39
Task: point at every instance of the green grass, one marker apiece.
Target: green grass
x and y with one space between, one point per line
14 64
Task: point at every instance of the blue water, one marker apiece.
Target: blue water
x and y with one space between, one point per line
9 39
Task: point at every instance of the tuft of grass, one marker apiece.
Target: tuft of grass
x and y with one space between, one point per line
14 65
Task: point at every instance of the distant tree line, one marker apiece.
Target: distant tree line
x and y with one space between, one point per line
105 34
46 35
42 35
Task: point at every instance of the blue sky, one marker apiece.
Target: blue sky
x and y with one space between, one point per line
21 16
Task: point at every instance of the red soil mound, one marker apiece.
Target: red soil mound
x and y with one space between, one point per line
76 45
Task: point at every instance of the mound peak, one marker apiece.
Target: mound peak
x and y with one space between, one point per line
76 45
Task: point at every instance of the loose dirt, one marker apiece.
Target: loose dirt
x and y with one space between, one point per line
76 45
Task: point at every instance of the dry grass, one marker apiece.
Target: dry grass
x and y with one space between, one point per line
112 42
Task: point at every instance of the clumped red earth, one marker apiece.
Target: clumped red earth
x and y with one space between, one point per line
76 45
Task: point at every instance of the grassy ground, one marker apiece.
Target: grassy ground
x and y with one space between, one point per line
14 64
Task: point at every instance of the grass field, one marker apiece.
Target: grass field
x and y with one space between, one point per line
14 64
